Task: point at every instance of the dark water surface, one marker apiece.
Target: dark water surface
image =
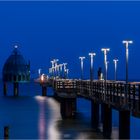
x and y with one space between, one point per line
32 116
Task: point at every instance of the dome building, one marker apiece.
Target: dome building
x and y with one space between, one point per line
15 70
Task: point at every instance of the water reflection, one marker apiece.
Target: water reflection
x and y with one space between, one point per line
78 128
52 127
42 118
49 113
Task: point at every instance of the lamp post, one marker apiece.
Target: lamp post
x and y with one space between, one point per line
82 65
65 64
50 71
55 66
115 64
107 62
105 50
39 72
91 65
67 72
127 42
57 70
52 62
61 69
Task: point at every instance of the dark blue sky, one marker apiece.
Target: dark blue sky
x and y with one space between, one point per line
67 30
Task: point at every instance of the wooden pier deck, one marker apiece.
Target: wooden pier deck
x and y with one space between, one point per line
119 95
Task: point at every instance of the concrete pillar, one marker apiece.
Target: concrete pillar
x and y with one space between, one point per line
44 90
107 120
68 107
4 89
95 114
124 124
16 89
6 133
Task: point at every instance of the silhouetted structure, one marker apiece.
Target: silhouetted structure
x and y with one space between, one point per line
6 133
15 70
99 73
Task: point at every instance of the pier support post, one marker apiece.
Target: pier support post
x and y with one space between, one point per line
124 124
4 89
95 114
68 107
16 89
107 120
44 90
6 133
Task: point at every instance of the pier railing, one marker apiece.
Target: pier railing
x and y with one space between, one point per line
117 94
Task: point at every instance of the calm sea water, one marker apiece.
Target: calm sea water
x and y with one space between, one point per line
31 116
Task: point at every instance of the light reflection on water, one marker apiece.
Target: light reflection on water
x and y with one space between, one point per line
51 132
39 118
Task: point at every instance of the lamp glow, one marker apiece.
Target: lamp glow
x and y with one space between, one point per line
115 64
91 65
126 43
105 50
82 65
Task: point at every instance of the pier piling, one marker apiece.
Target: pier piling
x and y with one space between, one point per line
68 107
16 89
95 114
6 133
124 124
107 120
44 90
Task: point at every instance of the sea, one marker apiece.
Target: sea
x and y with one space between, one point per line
32 116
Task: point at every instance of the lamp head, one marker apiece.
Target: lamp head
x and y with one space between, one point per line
115 60
92 54
56 60
64 64
105 49
127 41
16 46
82 57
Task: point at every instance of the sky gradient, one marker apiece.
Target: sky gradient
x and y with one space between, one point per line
67 30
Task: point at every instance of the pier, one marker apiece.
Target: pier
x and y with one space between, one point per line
109 95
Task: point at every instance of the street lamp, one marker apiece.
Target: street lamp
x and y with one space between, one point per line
52 62
91 65
39 72
115 64
105 50
107 62
82 66
61 69
65 64
57 70
127 42
67 72
55 66
52 69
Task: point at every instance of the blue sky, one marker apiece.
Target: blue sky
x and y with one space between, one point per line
67 30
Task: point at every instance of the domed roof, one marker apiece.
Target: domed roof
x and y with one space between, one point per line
16 69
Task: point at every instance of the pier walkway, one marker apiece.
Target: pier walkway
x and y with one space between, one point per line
104 96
